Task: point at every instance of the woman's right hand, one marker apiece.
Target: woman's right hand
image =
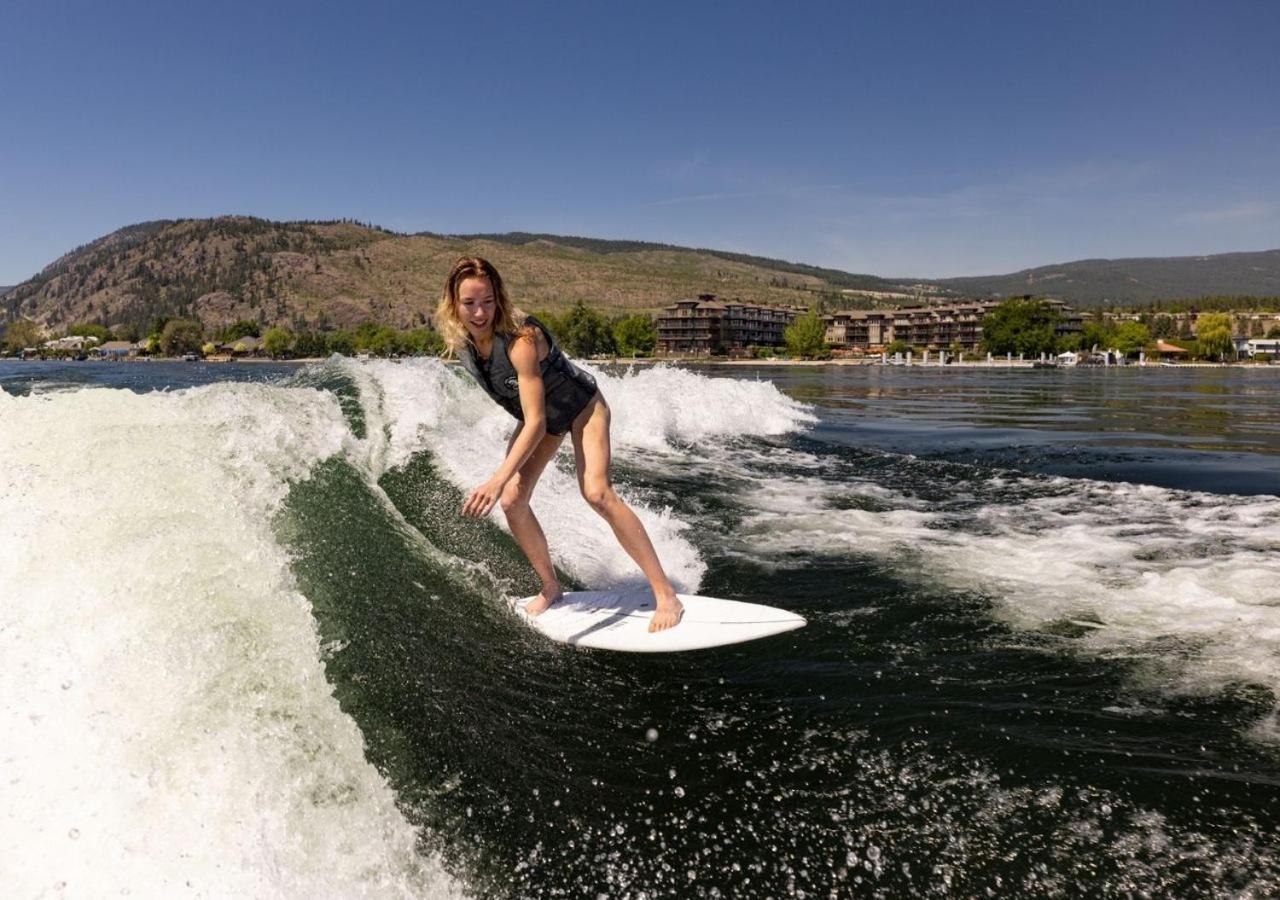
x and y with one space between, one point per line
482 500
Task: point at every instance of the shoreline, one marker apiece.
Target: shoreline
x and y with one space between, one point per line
714 362
875 363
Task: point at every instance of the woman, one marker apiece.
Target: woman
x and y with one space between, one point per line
517 362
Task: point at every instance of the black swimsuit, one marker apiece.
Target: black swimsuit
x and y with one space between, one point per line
568 388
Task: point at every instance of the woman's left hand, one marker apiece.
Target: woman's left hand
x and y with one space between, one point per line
481 500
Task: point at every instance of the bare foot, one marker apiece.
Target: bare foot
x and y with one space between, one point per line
543 600
670 610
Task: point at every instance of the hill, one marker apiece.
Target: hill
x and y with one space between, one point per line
317 275
314 275
1096 282
834 277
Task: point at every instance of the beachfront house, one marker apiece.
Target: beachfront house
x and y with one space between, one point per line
75 342
116 350
1172 351
243 346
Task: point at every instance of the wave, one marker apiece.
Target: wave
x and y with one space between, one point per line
427 406
1184 585
167 713
170 711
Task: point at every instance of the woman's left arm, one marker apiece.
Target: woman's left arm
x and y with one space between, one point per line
523 353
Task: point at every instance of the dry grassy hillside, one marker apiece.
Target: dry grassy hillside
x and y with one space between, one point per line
308 275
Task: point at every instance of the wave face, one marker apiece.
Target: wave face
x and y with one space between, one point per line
168 704
247 644
165 705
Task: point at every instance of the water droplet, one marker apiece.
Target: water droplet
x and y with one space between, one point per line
73 833
679 791
671 773
651 735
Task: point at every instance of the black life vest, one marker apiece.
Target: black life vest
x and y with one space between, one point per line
563 382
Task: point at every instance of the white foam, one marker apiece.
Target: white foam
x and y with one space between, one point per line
660 408
1138 563
165 721
427 405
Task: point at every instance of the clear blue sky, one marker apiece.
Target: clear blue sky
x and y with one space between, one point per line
899 138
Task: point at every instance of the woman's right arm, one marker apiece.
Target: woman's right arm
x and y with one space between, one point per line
523 353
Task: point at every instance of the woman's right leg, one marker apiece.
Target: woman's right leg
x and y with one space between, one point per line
524 525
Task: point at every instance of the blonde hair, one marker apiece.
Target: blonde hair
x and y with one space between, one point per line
449 323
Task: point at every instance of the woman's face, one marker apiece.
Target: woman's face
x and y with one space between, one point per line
476 306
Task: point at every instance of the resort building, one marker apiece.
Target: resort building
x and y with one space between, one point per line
933 327
710 327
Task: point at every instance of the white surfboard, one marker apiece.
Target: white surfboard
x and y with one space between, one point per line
616 620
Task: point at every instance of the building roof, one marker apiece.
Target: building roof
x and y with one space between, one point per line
1162 347
116 345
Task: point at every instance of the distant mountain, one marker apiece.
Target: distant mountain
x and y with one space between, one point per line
1095 282
310 275
316 275
833 277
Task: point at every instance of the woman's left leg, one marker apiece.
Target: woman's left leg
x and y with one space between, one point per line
592 453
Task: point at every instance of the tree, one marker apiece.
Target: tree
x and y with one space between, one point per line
806 336
124 332
90 329
22 333
554 323
384 341
1130 337
241 328
1020 325
1096 333
364 335
309 344
276 342
1273 331
585 332
898 346
1163 326
635 335
181 336
1213 334
422 341
342 342
1070 343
